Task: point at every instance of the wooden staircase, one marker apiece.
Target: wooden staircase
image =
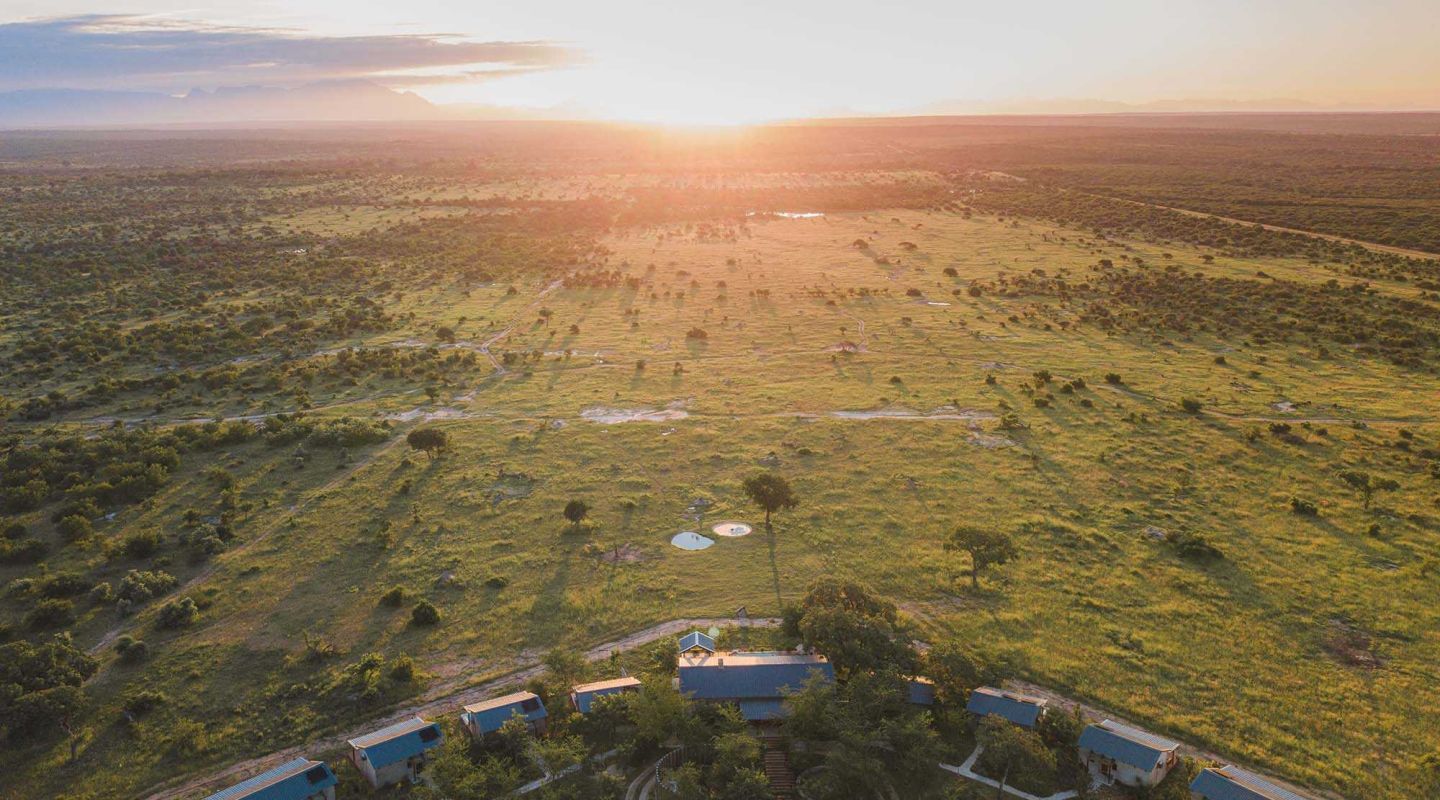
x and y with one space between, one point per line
777 768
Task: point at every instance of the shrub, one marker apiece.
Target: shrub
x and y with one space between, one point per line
62 584
950 272
51 613
102 593
394 597
25 551
1303 507
137 586
697 333
180 613
497 581
15 530
144 701
75 528
141 545
1191 405
425 614
1113 378
403 670
131 650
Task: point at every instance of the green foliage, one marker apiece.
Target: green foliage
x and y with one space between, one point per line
424 614
856 629
49 614
575 511
394 597
429 440
41 684
986 548
180 613
770 492
1014 755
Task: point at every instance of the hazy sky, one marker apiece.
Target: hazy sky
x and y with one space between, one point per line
742 60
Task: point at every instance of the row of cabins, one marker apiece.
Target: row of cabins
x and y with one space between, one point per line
396 753
1117 753
756 682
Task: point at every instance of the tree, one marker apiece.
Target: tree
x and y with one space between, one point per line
430 440
1367 485
856 630
956 672
1011 749
771 493
575 511
42 684
986 548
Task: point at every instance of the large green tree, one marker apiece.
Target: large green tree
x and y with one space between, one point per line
855 629
771 493
986 548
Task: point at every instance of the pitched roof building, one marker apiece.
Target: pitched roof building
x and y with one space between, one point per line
757 682
301 779
1023 710
1117 753
396 752
584 695
1233 783
487 716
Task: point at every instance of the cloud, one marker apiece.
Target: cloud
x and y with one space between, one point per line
102 51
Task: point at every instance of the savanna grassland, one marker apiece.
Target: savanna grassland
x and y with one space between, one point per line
210 368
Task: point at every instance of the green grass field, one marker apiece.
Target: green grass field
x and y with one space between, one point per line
1308 651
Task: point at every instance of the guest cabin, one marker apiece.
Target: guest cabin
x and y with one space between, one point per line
584 695
395 753
301 779
487 716
1117 753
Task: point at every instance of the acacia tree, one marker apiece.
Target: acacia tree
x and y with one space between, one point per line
986 548
430 440
771 493
1367 485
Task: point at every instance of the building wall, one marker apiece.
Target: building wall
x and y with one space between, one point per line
1124 773
363 766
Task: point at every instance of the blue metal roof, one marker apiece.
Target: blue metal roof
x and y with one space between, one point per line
696 639
921 692
1125 744
489 716
750 676
762 710
398 742
293 780
1233 783
584 695
1019 709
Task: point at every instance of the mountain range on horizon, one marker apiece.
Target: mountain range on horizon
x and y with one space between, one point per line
361 100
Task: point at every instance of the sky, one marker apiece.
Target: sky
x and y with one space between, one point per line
743 60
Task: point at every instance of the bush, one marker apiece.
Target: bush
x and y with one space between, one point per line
425 614
25 551
141 545
15 530
50 614
1191 405
62 584
697 333
180 613
138 586
102 593
394 597
403 670
143 702
131 650
1303 507
75 528
1113 378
